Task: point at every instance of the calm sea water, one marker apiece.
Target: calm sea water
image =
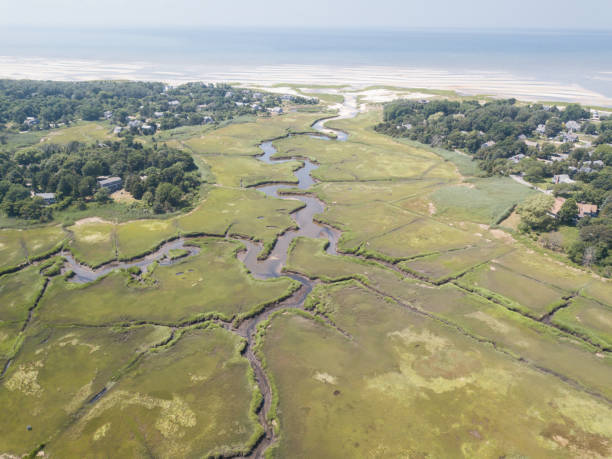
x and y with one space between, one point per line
583 58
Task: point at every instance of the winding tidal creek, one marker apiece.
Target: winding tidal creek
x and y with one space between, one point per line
272 266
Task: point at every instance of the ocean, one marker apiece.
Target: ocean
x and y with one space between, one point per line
571 58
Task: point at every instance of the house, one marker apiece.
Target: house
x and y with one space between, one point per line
174 103
31 121
586 210
562 178
490 143
49 198
147 129
598 163
135 124
541 129
160 114
572 126
110 183
559 157
277 110
117 130
557 207
569 137
229 94
208 120
108 115
516 158
594 115
522 137
585 169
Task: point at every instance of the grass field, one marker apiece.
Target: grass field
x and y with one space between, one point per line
83 131
482 200
212 283
446 265
188 400
514 290
244 138
587 318
405 386
137 237
243 212
248 171
18 246
56 372
94 242
18 293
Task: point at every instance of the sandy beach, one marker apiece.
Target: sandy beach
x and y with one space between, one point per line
500 84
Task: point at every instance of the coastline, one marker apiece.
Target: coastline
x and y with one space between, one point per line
485 82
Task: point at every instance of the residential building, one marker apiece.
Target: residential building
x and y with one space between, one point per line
110 183
572 126
562 178
585 209
49 198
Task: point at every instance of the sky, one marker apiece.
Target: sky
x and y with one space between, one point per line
547 14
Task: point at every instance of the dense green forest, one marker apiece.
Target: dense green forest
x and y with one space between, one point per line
164 178
27 105
536 142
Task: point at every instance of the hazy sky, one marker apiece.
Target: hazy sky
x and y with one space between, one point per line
589 14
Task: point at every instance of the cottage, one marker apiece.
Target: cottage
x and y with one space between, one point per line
30 121
110 183
562 178
147 129
557 207
587 210
135 124
516 158
569 137
49 198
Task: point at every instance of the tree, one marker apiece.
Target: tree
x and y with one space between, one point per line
553 127
568 212
91 112
167 197
102 196
535 212
574 112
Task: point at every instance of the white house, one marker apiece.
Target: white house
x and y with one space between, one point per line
562 178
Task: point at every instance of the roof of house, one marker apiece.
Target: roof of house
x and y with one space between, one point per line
585 208
557 205
46 195
109 181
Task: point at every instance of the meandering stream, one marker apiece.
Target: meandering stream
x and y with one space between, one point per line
271 266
